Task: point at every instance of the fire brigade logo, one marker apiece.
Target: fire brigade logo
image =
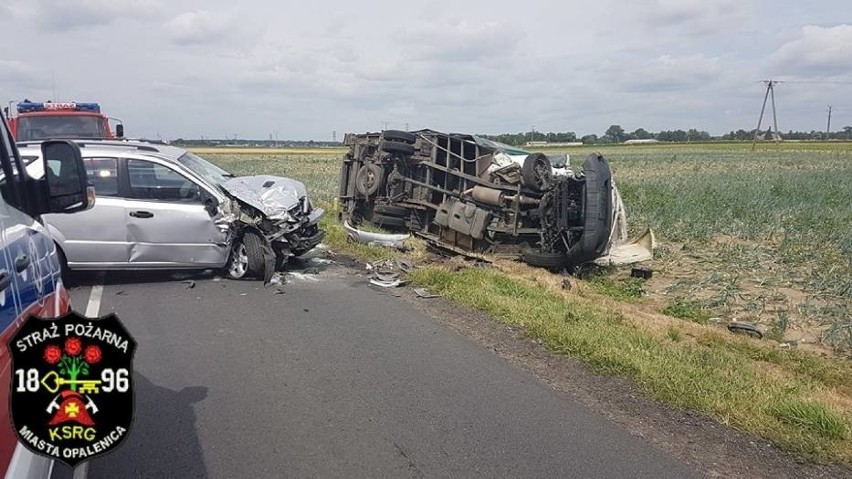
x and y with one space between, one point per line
72 390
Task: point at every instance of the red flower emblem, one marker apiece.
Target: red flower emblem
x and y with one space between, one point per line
52 354
73 346
92 354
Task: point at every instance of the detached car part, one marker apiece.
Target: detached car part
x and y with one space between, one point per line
470 195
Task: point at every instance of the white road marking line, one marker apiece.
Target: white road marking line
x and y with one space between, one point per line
92 309
94 301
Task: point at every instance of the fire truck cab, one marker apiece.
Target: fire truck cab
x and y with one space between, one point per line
46 120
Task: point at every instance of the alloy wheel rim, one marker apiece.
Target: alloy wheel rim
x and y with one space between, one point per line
239 261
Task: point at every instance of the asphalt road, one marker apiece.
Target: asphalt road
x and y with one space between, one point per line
336 379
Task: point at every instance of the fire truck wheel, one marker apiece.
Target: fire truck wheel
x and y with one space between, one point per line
368 179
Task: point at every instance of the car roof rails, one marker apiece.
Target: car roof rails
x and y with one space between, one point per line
95 143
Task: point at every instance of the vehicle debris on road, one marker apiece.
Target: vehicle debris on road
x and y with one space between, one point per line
379 239
424 293
469 195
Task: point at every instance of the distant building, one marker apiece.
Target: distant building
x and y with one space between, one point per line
636 142
549 144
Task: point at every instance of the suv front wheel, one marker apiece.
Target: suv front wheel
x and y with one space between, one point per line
246 258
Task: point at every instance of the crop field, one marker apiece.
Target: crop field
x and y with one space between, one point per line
762 236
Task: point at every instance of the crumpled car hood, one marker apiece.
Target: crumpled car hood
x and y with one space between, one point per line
272 195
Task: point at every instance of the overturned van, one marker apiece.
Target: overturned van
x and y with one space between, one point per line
470 195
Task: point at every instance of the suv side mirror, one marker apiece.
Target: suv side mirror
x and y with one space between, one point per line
119 130
65 182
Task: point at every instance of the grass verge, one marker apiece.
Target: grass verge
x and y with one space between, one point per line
797 401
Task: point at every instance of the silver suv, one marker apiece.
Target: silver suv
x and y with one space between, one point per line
162 207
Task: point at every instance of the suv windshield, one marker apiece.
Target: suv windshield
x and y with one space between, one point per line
203 168
59 126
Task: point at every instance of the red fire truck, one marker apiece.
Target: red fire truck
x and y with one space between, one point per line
46 120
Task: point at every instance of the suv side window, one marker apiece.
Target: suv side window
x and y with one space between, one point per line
103 175
152 181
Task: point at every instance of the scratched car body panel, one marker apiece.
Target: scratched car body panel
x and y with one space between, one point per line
161 207
470 195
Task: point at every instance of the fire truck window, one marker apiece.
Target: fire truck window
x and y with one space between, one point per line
103 175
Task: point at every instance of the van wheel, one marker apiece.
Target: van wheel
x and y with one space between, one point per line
537 172
399 135
391 210
246 257
545 259
398 147
368 179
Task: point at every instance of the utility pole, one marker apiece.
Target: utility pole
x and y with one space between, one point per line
406 126
828 126
386 125
334 136
770 94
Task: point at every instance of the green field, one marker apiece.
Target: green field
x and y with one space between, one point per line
762 236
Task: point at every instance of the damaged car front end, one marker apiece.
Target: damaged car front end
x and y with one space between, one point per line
279 213
469 195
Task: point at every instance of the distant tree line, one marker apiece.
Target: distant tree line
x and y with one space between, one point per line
616 134
212 142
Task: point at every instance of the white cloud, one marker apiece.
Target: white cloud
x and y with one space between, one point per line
67 15
198 27
669 73
817 51
697 17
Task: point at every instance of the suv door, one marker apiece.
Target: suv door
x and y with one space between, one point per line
95 238
167 223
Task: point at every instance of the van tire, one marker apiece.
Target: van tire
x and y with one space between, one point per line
391 210
399 135
537 172
545 259
396 147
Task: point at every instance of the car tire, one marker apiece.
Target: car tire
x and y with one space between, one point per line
396 147
391 210
246 260
387 221
400 136
537 172
368 179
545 259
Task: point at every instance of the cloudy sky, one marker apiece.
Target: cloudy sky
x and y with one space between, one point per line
187 68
